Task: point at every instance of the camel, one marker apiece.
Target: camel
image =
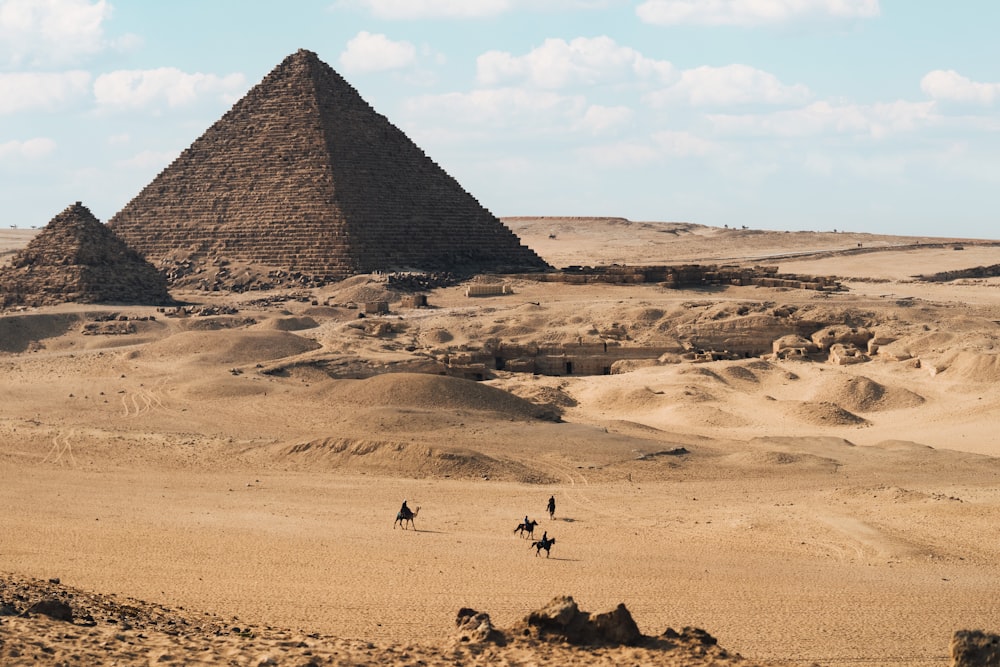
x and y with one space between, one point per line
526 528
402 518
544 543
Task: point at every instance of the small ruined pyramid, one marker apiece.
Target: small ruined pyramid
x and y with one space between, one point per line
304 176
75 258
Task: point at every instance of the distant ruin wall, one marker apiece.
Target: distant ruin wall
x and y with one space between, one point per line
556 359
487 290
991 271
686 275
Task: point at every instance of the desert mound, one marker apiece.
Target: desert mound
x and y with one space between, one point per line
432 392
971 365
359 290
289 323
858 393
19 332
228 346
823 413
407 459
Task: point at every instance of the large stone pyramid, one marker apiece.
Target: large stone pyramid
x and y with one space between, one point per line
75 258
303 175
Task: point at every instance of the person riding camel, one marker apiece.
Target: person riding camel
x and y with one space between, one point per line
404 511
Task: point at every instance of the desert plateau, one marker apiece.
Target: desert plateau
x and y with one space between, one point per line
215 481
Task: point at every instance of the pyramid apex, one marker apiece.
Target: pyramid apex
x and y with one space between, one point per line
303 54
77 207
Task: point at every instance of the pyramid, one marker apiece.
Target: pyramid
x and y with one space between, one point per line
75 258
304 176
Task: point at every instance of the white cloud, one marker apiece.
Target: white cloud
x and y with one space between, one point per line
901 116
620 154
416 9
500 108
32 149
727 86
751 12
582 61
683 144
132 89
599 119
818 163
366 52
41 91
150 159
821 118
949 85
466 9
51 31
663 145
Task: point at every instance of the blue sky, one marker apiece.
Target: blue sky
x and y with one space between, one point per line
860 115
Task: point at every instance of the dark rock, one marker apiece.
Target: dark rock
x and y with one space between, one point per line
691 635
617 626
52 608
562 619
975 648
476 627
558 614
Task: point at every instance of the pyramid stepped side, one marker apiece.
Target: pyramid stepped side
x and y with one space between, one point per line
256 187
303 175
401 208
75 258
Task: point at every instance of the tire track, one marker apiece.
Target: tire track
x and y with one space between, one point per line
142 400
62 444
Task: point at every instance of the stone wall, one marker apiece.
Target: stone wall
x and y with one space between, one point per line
687 275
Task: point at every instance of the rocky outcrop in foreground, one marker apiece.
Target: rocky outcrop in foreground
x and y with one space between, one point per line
46 622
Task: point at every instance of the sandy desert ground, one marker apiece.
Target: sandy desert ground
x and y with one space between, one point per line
234 469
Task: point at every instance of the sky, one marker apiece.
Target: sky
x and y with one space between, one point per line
853 115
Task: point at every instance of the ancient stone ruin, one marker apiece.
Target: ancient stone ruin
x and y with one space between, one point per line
689 275
302 174
75 258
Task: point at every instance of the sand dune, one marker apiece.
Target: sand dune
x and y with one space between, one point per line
858 393
226 346
250 464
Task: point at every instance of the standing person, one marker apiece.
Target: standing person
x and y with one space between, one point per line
551 507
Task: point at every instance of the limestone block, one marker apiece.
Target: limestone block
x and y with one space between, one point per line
843 355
